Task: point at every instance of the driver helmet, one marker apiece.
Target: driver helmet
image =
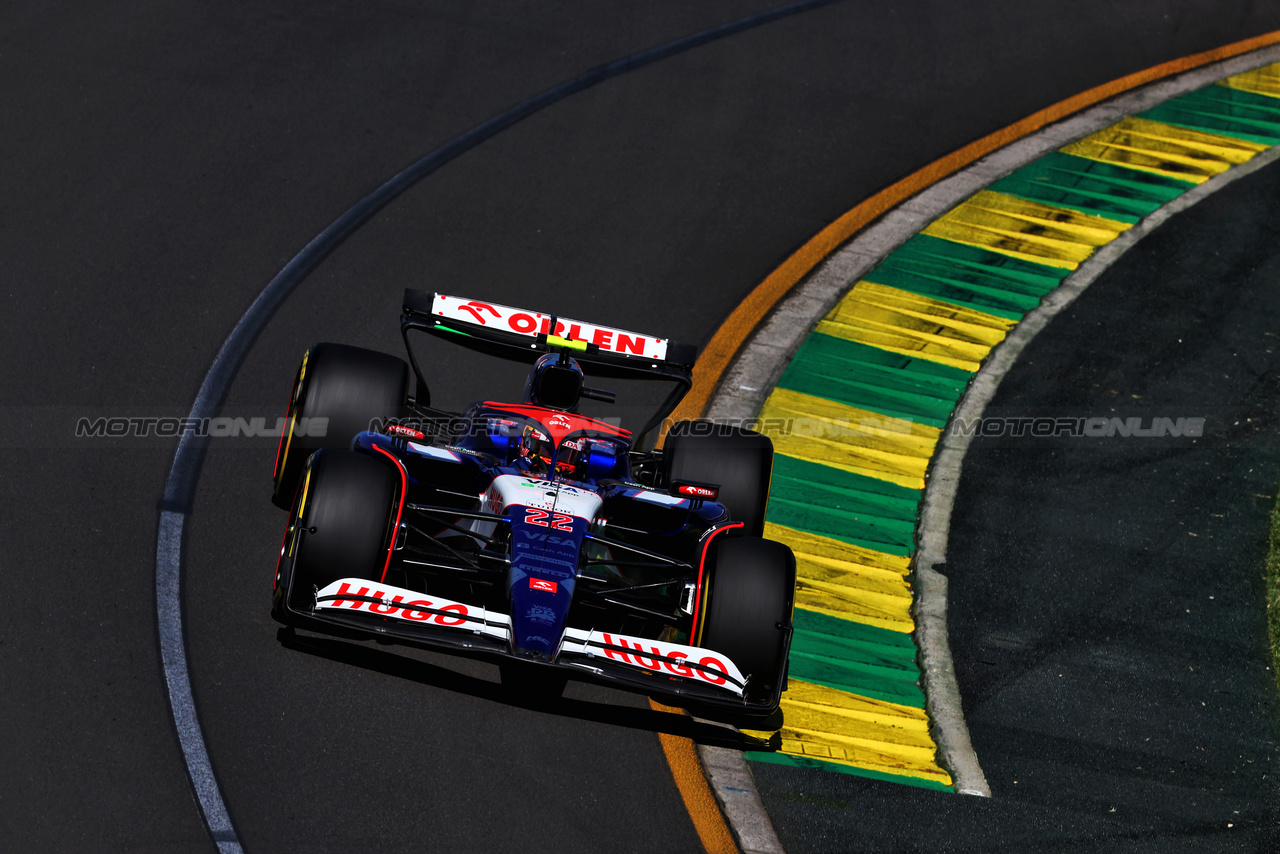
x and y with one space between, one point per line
574 458
537 453
555 382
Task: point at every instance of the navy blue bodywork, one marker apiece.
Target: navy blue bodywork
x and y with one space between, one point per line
544 567
633 569
560 540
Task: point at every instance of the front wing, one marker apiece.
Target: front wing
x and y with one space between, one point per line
674 670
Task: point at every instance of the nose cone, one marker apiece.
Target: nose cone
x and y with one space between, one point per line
544 566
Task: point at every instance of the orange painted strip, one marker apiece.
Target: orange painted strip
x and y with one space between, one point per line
715 358
686 767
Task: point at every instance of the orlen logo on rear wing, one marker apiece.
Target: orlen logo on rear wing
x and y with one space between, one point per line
532 323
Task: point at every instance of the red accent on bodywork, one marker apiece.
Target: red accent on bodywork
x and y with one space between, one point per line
544 415
401 430
697 491
404 489
475 306
695 636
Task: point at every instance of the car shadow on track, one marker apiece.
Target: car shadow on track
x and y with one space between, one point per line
403 667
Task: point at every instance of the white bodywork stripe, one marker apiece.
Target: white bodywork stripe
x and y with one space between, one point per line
353 594
648 653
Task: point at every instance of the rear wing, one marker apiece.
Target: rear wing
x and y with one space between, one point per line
522 335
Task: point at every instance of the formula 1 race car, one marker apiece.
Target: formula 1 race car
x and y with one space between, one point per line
528 532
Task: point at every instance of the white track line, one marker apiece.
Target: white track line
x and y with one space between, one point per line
173 656
184 475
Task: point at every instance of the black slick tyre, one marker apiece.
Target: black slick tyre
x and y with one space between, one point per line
747 615
739 461
340 527
347 386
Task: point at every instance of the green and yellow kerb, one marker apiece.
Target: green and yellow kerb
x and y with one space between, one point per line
857 415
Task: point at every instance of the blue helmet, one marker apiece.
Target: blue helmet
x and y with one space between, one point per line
554 382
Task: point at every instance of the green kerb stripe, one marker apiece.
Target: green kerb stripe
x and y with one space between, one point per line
1092 187
969 276
919 370
873 379
855 657
852 508
806 762
1224 111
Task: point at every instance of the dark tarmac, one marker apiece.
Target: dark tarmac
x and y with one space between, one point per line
163 161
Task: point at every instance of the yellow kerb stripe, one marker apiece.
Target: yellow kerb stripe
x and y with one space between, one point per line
914 325
846 601
848 582
1057 237
1174 152
1260 81
817 547
851 439
836 726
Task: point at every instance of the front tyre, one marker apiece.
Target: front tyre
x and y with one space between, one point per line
738 460
340 526
747 616
339 391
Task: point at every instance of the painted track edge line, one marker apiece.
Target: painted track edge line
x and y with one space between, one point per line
753 371
173 660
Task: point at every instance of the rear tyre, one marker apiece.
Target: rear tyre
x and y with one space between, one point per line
349 386
341 526
740 461
747 615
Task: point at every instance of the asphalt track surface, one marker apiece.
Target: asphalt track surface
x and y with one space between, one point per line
1109 593
163 161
